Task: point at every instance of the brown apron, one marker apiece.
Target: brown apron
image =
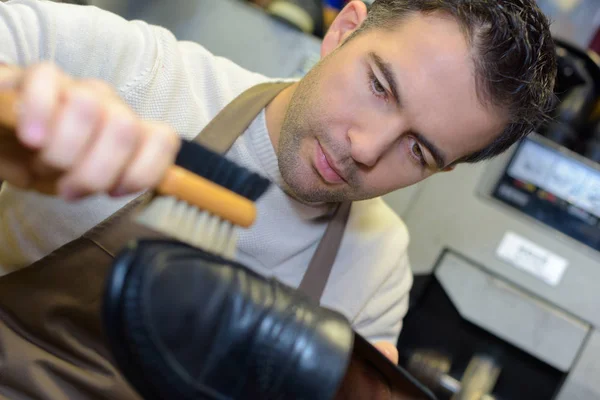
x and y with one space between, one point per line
51 340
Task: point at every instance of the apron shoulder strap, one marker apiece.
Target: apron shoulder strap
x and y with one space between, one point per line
316 276
224 129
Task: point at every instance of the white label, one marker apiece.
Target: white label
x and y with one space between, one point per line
526 255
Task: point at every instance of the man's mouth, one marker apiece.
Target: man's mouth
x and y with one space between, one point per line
325 166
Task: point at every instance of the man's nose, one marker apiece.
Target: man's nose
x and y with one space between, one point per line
369 144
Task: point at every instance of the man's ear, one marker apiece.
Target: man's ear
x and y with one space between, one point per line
347 21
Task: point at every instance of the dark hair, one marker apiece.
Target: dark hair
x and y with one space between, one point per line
515 59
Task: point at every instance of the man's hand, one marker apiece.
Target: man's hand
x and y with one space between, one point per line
388 350
80 133
363 382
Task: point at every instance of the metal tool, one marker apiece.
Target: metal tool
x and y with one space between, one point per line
432 369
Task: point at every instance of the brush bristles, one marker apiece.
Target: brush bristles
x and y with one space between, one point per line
191 225
218 169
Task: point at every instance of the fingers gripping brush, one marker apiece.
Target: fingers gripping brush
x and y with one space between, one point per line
202 199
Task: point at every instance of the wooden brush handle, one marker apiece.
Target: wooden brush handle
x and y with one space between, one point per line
207 195
8 111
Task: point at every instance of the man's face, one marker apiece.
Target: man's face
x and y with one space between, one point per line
383 111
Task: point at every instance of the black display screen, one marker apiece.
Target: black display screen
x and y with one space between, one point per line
555 187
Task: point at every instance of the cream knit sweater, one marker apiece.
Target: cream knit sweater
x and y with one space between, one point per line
184 85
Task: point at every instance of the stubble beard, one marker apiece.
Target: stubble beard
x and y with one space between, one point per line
302 124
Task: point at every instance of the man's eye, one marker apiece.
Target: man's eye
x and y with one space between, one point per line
376 87
417 153
417 150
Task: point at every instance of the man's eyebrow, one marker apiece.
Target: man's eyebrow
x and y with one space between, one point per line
436 153
388 73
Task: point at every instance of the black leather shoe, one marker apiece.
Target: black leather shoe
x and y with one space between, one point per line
185 324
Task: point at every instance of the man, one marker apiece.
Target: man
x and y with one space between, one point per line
403 91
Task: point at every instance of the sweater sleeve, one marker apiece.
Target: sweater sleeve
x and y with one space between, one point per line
84 41
381 318
386 277
162 79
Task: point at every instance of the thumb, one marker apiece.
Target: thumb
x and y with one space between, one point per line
388 350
